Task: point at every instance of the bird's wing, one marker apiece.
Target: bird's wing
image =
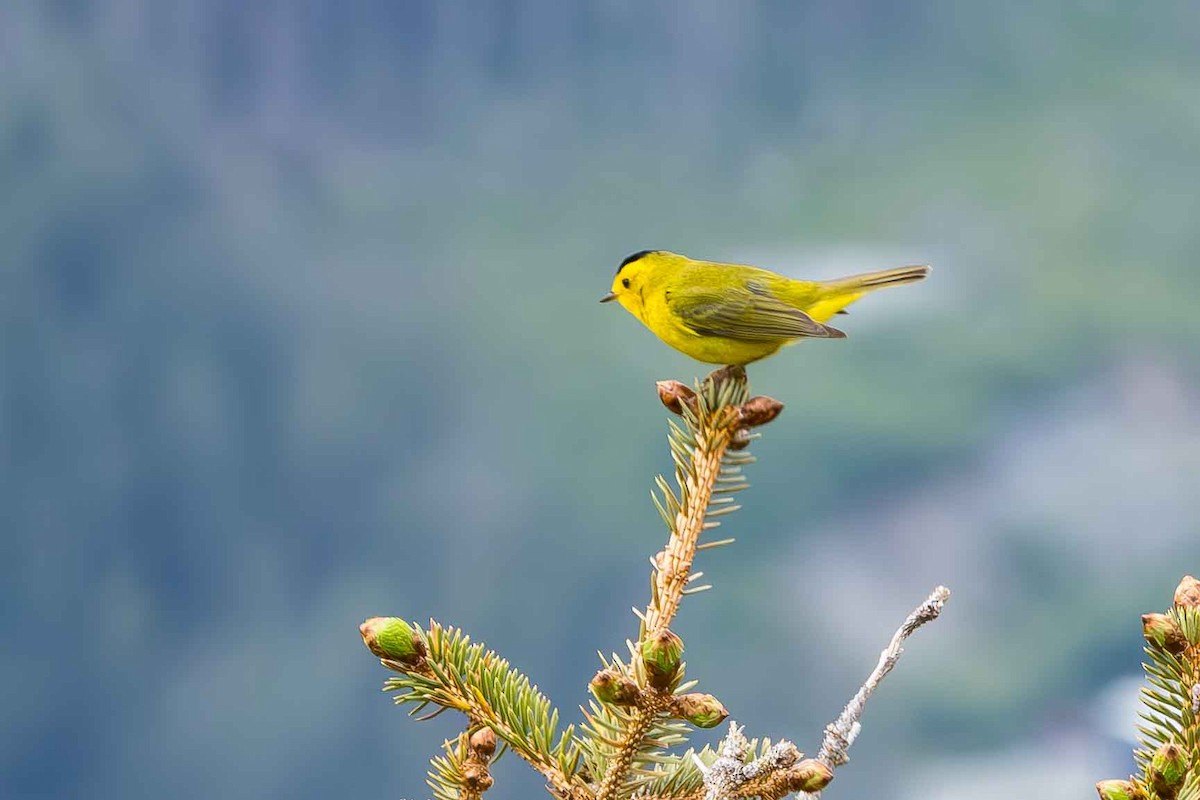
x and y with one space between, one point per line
752 314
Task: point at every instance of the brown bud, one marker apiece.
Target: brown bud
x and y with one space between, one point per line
661 653
1168 768
476 777
759 411
809 775
613 688
733 372
676 395
1161 631
1118 790
392 638
702 710
483 743
1187 594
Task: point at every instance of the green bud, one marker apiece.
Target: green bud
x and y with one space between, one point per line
393 639
809 775
1168 768
702 710
614 688
1161 631
661 653
1118 790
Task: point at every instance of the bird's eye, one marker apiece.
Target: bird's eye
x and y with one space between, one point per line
625 282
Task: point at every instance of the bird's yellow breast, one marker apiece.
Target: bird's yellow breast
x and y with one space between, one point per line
656 315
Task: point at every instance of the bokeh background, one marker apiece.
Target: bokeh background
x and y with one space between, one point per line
299 325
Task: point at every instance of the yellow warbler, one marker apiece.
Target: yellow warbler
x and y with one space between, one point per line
732 313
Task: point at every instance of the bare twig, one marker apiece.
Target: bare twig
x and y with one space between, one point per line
841 733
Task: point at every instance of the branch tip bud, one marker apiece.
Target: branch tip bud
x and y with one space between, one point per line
613 688
675 395
1187 594
1119 790
810 775
732 372
759 411
1168 768
393 639
1164 633
661 654
702 710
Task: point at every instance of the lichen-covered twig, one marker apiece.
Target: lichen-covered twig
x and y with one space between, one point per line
841 733
776 773
780 771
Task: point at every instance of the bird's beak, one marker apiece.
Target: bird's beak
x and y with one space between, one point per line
608 298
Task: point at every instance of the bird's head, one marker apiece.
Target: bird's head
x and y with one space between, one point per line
629 284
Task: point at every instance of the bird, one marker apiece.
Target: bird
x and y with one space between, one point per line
736 314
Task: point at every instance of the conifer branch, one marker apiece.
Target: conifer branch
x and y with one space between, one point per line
642 706
682 777
442 667
631 741
707 450
717 421
1168 758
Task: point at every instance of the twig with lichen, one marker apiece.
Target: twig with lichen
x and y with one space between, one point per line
1169 756
780 770
841 733
776 773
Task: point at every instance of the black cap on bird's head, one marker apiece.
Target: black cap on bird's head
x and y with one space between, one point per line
640 254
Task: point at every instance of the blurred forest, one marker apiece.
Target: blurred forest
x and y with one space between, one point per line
298 325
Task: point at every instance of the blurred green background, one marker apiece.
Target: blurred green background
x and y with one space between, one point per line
299 325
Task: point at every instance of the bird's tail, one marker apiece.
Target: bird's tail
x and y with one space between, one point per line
868 281
835 295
